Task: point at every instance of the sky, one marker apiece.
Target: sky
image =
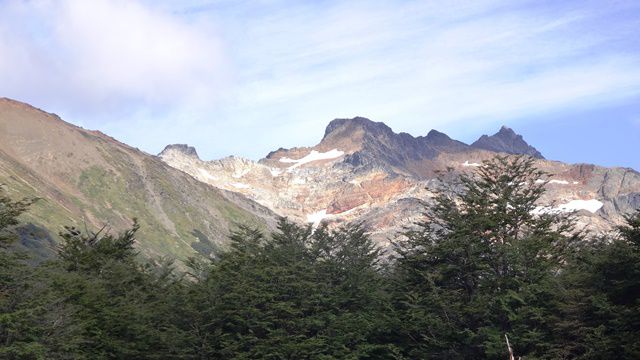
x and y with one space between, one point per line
247 77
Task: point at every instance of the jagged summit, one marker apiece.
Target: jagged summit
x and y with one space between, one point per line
368 143
508 141
435 134
181 148
347 126
367 132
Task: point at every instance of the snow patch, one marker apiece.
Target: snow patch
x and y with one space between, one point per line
275 172
560 182
591 206
240 186
205 174
313 156
317 217
467 164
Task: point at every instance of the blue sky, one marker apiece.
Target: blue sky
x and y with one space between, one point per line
246 77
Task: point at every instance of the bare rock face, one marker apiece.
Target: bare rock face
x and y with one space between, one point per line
506 141
363 171
183 149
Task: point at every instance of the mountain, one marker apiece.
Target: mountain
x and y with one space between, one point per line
184 149
506 141
369 144
88 179
362 170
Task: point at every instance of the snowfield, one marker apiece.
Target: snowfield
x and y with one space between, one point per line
591 206
317 217
313 156
205 174
240 186
560 182
467 164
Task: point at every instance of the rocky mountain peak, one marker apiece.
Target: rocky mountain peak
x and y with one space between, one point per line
437 137
184 149
506 131
347 127
507 141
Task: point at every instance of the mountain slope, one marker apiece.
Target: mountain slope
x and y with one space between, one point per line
85 178
363 171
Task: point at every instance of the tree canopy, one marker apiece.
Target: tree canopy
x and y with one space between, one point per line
487 261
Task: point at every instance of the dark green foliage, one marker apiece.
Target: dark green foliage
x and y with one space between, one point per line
17 341
601 309
484 263
10 210
481 266
300 294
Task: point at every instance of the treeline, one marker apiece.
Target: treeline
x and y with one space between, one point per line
485 265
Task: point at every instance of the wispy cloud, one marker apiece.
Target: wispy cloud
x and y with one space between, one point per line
415 64
92 57
244 77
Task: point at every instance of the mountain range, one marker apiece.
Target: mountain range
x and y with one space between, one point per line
361 171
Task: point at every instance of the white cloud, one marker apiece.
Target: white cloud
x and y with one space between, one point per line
89 57
245 77
407 62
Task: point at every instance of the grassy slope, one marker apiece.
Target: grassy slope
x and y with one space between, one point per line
99 181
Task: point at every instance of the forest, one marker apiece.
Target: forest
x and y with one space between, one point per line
486 274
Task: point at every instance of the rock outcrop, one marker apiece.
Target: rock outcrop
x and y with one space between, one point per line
506 141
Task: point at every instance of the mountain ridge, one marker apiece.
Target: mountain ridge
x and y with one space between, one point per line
369 143
508 141
363 171
360 171
86 178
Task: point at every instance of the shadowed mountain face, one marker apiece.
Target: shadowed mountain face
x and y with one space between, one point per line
85 178
506 141
373 144
363 171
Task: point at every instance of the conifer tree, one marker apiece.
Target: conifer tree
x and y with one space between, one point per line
481 265
119 305
599 314
20 337
297 294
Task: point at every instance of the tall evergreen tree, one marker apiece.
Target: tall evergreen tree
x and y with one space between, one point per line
599 314
298 294
481 265
118 304
20 337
